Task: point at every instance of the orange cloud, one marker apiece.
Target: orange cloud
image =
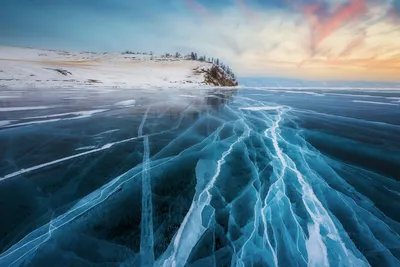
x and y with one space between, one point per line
353 45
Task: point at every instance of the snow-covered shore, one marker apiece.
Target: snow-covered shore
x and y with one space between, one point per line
35 68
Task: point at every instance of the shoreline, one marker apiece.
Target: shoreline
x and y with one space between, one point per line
35 68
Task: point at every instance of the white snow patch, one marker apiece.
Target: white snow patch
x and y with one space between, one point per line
85 148
191 96
316 249
304 92
261 108
75 98
107 146
4 123
126 103
82 114
354 95
375 103
106 132
76 113
33 122
23 108
8 96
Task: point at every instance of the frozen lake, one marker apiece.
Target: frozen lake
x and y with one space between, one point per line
240 177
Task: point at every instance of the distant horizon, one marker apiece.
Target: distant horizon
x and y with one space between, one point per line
266 77
292 79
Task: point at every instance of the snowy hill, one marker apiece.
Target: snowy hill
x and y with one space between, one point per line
27 68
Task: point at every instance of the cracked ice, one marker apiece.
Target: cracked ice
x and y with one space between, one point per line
243 182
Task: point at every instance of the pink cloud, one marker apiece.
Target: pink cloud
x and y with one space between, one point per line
198 8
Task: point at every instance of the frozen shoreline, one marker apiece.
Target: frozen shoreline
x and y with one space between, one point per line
35 68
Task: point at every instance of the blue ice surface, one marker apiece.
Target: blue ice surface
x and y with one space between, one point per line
274 174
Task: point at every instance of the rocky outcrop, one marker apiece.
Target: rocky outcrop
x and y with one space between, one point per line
216 76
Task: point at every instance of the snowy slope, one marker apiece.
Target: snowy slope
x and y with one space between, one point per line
25 67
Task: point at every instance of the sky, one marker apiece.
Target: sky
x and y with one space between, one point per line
312 39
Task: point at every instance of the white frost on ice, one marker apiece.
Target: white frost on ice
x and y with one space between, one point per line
316 249
375 103
85 148
85 114
106 132
261 108
354 95
107 146
40 166
33 122
8 96
22 108
4 123
75 98
191 96
80 115
126 103
304 92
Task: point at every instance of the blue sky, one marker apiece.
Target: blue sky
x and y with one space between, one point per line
93 24
257 37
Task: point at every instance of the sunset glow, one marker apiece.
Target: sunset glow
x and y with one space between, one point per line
323 39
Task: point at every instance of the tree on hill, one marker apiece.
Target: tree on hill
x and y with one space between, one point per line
202 58
193 56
